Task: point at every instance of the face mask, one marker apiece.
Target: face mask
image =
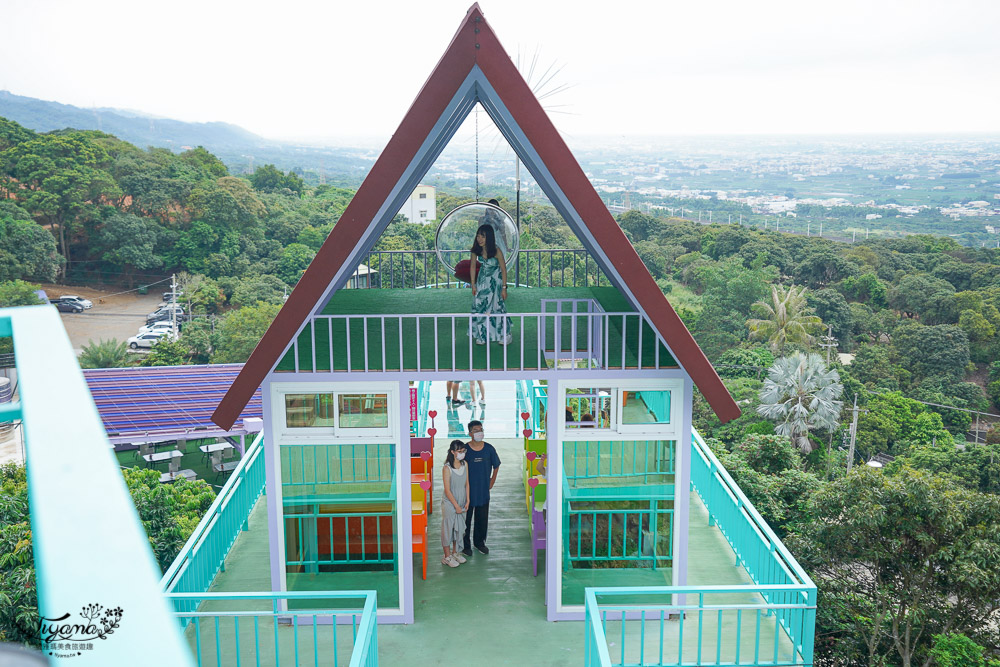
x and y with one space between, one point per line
460 456
478 437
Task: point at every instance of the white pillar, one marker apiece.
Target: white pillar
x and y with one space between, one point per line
272 486
682 489
554 520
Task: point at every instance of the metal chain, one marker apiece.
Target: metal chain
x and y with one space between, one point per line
477 153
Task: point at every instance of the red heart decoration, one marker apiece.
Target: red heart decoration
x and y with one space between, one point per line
425 485
425 455
432 414
527 432
533 482
530 456
525 415
432 432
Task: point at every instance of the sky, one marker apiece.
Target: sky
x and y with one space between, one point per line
337 69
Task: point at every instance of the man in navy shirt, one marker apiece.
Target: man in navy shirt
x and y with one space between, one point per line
484 464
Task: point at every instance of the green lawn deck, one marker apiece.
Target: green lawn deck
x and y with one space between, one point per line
447 345
498 592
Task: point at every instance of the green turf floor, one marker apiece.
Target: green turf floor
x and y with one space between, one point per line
403 341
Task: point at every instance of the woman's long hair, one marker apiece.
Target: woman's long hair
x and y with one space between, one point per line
454 447
491 241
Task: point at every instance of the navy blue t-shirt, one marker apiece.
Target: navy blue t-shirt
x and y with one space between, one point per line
481 465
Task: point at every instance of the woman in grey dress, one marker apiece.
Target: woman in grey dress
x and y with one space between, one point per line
455 476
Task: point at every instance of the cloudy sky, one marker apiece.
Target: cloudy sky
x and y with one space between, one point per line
337 69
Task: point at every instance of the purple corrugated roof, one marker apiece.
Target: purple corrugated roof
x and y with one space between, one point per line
167 400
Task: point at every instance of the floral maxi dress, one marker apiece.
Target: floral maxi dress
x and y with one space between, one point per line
489 283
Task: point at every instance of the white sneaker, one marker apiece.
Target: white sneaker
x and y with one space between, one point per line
458 557
449 561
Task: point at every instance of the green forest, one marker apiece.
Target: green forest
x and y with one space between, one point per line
906 556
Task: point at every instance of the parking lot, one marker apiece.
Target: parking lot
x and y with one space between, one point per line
113 316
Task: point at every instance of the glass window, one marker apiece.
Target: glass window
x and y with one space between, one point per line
616 514
588 408
423 195
309 410
646 407
363 411
341 519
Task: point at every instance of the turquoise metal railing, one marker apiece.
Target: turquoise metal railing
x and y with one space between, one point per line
311 465
757 548
769 622
531 398
642 460
615 493
601 535
658 404
358 536
674 626
423 405
204 554
288 628
538 396
520 396
90 548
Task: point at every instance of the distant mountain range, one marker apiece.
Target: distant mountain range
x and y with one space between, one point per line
238 148
134 127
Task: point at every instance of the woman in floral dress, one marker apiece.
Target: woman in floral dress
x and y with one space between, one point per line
489 289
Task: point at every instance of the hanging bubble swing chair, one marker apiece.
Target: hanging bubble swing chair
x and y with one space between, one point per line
455 235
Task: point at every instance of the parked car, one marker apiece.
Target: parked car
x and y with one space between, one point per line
163 325
169 297
67 306
86 303
148 339
163 314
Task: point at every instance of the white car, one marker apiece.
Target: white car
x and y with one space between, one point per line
86 303
148 339
155 327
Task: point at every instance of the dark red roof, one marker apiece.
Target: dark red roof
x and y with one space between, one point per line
467 49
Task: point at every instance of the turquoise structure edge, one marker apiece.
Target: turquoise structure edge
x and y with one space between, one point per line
89 545
787 592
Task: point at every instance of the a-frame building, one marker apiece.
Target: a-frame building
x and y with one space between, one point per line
336 366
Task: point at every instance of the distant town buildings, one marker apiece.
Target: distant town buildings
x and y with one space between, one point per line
421 207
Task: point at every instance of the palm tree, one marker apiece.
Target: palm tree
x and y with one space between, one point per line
786 319
104 354
802 394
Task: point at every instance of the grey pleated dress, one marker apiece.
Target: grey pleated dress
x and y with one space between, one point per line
453 523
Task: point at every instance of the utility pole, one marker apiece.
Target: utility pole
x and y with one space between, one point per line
173 306
821 230
741 219
829 342
854 433
709 217
808 228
